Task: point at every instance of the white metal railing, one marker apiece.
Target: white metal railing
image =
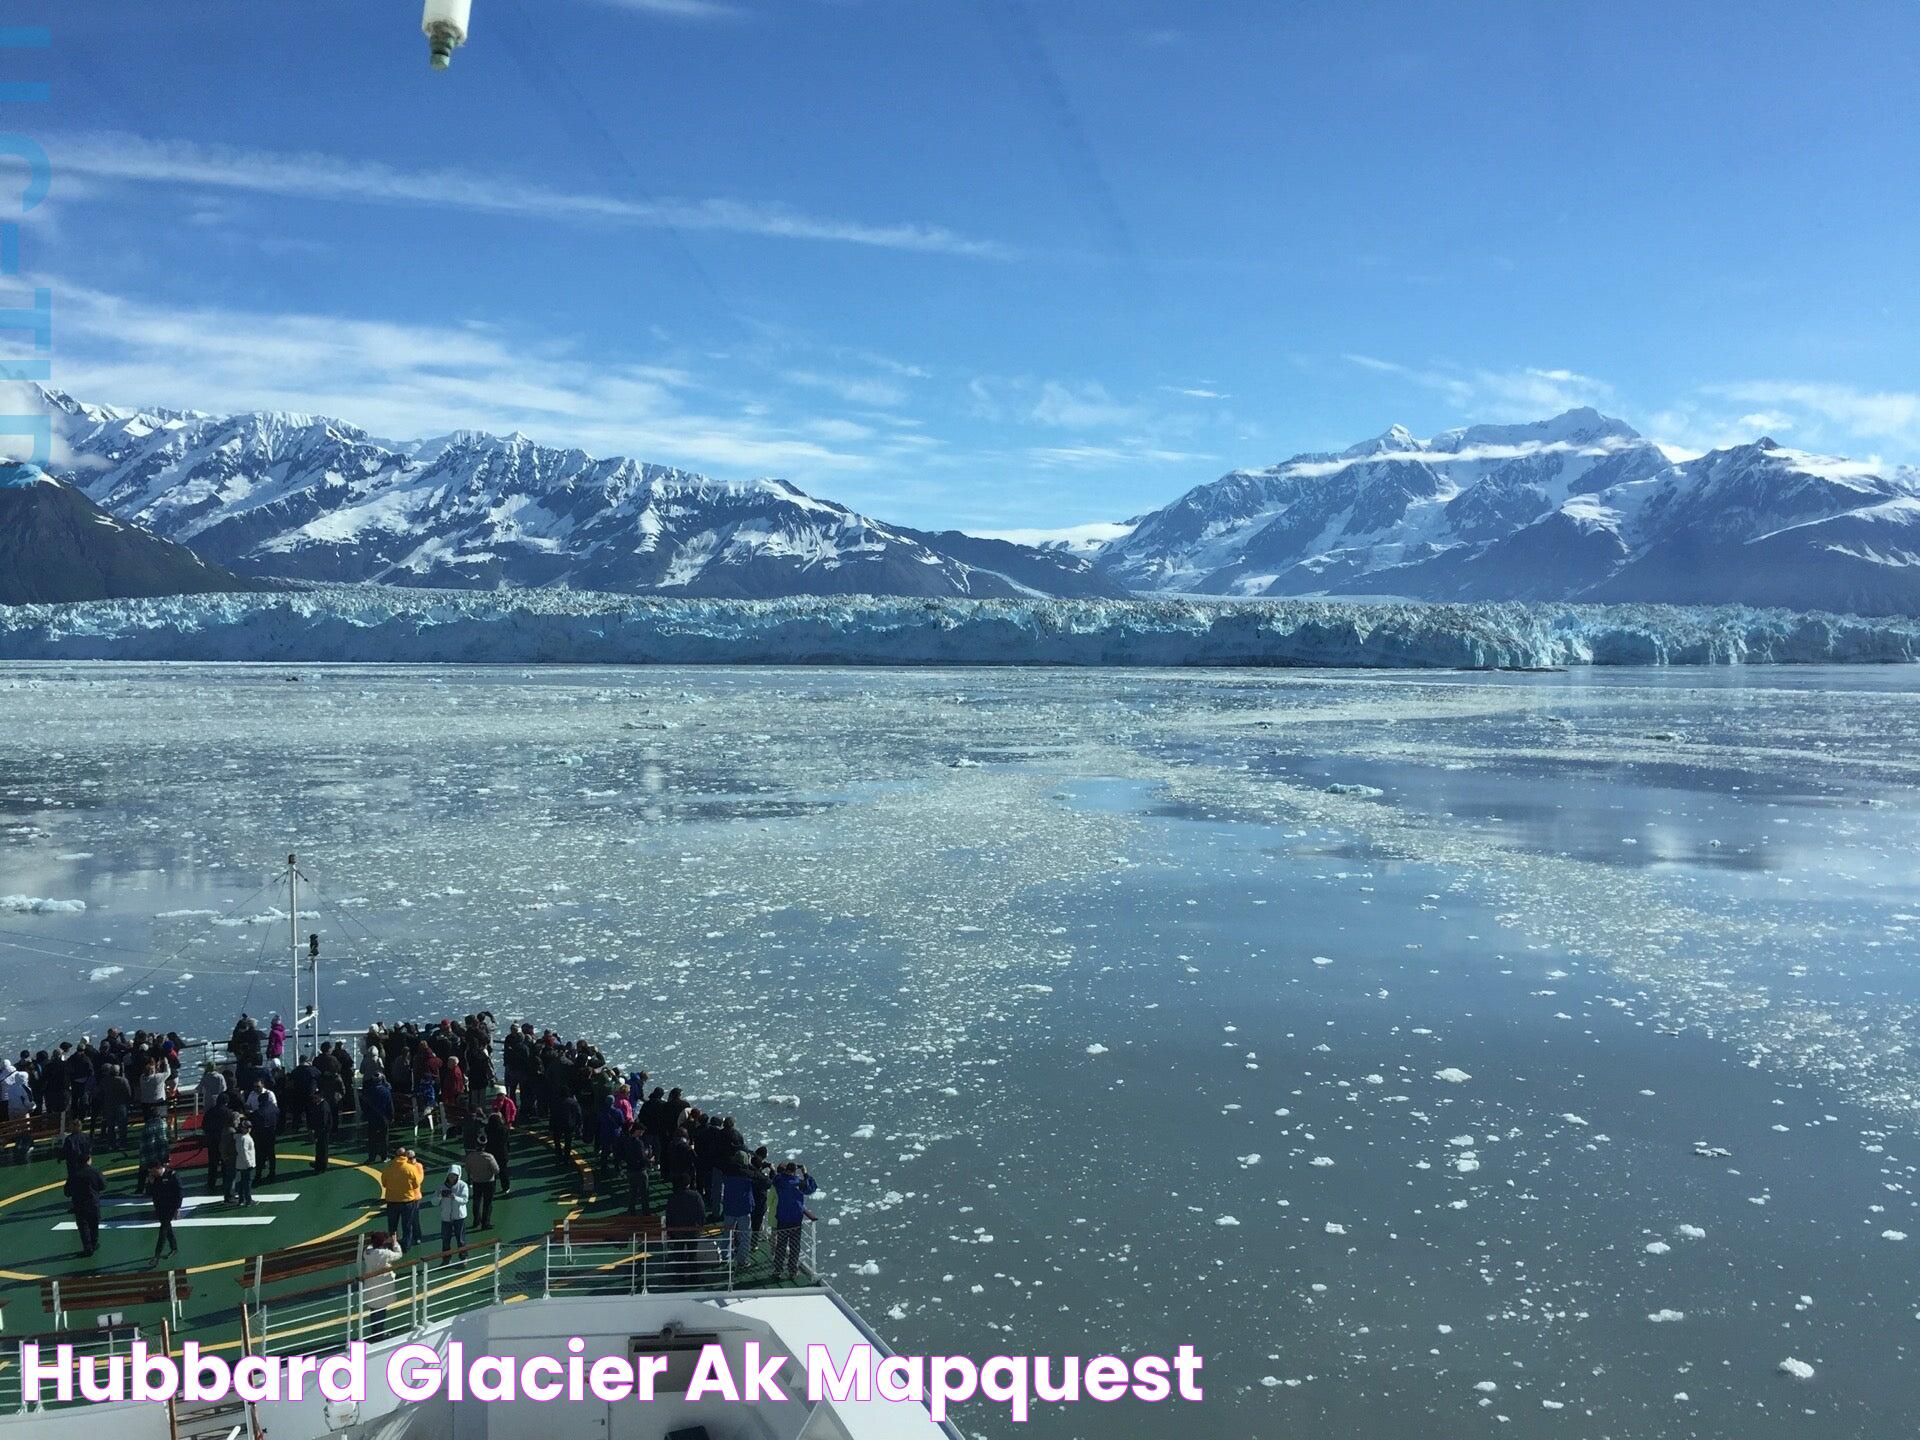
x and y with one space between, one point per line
372 1307
636 1267
432 1290
445 1288
643 1264
117 1340
310 1323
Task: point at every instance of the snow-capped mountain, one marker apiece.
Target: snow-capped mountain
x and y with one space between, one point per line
1579 507
57 545
304 497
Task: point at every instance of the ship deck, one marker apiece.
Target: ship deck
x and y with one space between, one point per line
301 1207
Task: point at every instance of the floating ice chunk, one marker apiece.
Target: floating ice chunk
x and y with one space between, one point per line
1322 960
870 1267
792 1102
1226 1220
1574 1120
1893 1234
1363 792
1323 1161
1658 1247
1798 1369
1335 1229
1247 1162
1690 1232
1667 1317
1453 1075
105 972
1096 1048
33 905
1487 1387
865 1132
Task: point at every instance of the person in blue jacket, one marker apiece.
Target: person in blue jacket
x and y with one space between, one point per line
376 1110
791 1187
739 1188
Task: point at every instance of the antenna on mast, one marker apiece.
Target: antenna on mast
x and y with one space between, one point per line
312 959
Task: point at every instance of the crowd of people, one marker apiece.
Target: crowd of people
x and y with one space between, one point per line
406 1079
640 1129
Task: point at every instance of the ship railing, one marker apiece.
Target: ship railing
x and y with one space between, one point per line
638 1266
99 1344
471 1278
319 1321
411 1297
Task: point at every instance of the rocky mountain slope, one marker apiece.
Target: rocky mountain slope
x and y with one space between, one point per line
1580 507
57 545
304 497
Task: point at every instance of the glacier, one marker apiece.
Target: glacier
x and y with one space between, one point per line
375 623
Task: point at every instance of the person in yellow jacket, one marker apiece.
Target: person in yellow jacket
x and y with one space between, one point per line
400 1187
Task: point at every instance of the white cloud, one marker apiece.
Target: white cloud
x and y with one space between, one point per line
1057 404
678 9
129 158
1092 457
1817 416
407 381
1078 538
1527 393
854 389
1874 414
1465 455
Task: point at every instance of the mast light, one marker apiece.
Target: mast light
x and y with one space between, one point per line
444 23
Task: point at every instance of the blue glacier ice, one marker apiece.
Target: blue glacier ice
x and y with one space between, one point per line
371 623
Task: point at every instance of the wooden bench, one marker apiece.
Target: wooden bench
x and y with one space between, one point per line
602 1229
34 1130
145 1287
290 1264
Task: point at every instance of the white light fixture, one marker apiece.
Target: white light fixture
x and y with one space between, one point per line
444 23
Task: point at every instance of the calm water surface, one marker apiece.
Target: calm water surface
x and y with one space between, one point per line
1357 1028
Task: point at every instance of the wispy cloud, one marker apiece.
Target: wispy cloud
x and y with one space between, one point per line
1811 415
1465 455
854 389
1098 457
1526 393
1877 414
1057 404
406 380
129 158
1075 537
679 9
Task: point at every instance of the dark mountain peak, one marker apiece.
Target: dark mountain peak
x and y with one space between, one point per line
57 545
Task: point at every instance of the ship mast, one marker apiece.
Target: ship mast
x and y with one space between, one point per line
312 958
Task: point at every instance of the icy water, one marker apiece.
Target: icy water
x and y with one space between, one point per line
1357 1028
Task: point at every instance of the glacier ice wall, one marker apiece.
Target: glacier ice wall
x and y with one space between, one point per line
370 623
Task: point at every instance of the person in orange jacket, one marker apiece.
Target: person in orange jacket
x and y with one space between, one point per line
400 1188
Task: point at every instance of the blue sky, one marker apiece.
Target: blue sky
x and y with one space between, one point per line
991 263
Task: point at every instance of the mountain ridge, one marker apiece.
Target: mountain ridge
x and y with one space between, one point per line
1579 507
310 498
57 546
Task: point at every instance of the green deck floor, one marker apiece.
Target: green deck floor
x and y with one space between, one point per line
343 1201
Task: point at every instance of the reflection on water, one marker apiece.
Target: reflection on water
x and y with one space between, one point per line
1358 1029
